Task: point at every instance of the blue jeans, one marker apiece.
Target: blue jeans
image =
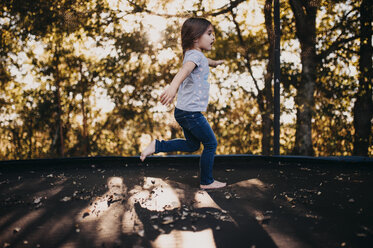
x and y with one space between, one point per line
196 131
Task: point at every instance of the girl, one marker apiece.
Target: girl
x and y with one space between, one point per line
191 85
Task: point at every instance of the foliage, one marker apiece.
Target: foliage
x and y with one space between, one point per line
82 78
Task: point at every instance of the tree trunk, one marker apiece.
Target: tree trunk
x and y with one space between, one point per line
305 20
60 143
85 139
29 135
363 108
85 129
268 76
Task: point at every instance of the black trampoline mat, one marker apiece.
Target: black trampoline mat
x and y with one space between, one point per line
159 204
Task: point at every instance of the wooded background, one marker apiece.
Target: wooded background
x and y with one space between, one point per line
83 77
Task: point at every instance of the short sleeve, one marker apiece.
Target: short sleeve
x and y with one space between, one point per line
193 56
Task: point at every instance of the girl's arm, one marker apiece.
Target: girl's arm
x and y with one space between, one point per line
215 63
169 94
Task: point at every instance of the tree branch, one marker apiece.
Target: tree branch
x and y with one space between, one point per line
239 34
243 44
248 65
227 8
335 46
223 10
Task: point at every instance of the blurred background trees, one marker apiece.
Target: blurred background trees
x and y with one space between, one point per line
83 78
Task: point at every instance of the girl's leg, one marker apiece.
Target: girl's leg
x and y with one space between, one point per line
189 144
203 131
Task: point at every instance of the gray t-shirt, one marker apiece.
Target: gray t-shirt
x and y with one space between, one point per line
193 94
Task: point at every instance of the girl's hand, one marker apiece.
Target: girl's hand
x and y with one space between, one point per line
215 63
218 62
168 95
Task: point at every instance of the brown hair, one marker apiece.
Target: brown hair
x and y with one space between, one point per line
192 29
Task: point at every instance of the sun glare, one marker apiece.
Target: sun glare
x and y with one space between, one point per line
156 25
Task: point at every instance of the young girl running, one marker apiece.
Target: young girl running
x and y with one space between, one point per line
192 89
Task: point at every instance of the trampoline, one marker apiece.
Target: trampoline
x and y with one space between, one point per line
274 201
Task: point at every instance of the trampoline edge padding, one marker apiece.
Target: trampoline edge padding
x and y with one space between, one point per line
182 159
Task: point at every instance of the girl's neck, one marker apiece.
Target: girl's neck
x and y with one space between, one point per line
195 48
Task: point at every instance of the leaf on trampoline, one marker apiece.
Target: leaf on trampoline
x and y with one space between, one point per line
268 212
86 212
65 199
167 220
338 178
361 235
153 217
289 199
228 195
263 219
16 230
37 200
312 216
5 182
141 233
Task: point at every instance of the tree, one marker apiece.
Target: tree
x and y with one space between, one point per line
305 20
132 69
254 49
363 109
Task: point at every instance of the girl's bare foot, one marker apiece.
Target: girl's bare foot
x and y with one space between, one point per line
150 149
214 185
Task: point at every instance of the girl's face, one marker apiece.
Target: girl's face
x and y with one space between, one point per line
206 40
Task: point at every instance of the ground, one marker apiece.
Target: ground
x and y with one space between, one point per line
159 204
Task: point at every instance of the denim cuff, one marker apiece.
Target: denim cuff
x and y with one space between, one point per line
156 146
206 182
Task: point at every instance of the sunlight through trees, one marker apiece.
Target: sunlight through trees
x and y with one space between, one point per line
83 78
